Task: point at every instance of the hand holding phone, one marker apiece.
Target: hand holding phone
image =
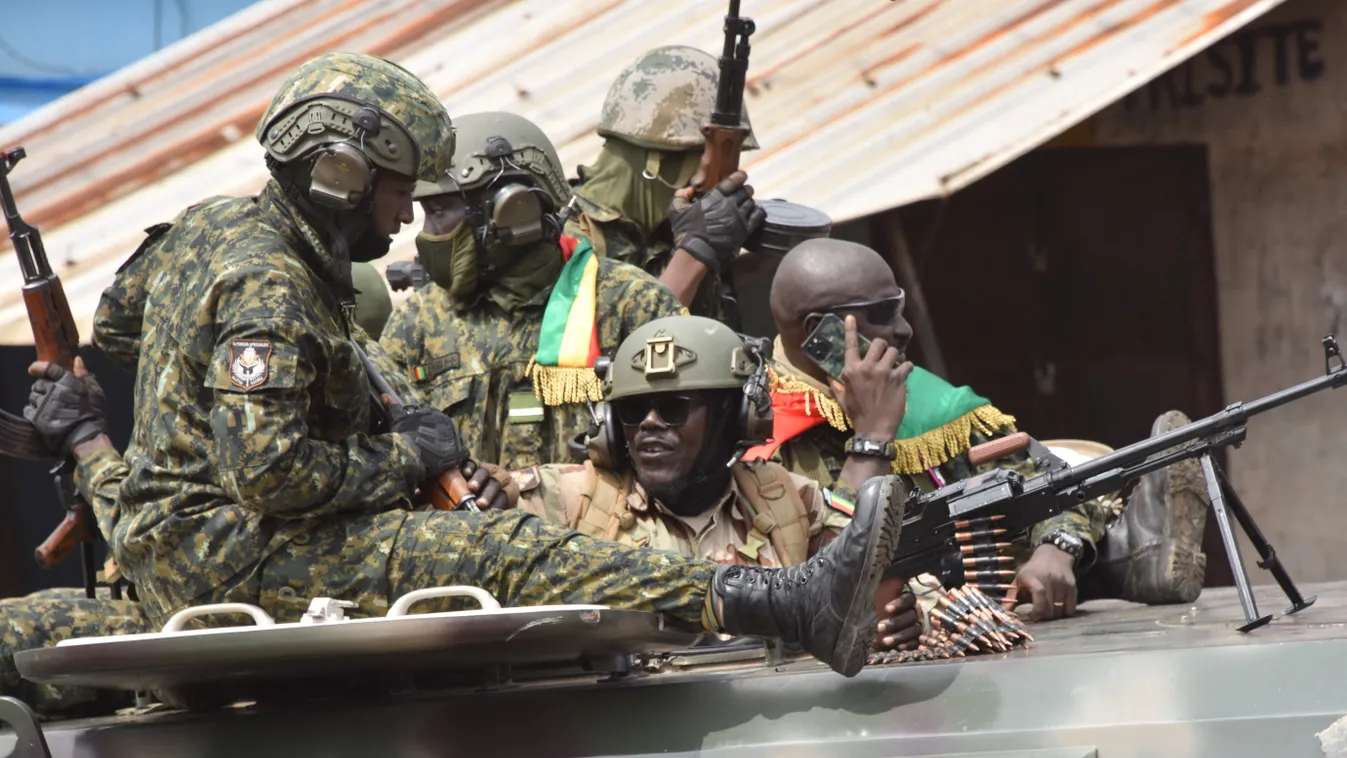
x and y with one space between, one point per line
874 390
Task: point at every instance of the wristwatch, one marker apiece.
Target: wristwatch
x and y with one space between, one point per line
863 446
1067 543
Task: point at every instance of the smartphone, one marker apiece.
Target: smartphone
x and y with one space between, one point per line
827 345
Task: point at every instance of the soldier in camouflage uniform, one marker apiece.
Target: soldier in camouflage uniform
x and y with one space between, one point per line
651 122
252 476
683 396
475 341
50 616
1151 553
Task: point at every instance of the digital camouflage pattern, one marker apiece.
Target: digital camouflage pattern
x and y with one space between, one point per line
47 617
214 505
615 237
117 320
223 466
721 534
418 144
521 560
473 363
661 100
819 454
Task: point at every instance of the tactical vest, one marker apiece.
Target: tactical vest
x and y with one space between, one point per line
770 500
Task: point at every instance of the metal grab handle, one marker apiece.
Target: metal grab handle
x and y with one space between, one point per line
176 622
399 608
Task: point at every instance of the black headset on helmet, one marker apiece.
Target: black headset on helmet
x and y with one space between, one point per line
605 442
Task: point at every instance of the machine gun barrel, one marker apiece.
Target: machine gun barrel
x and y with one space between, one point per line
1231 419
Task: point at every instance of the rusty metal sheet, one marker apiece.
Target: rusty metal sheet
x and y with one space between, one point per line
860 105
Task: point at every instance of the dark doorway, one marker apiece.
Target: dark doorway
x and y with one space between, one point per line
1076 288
29 509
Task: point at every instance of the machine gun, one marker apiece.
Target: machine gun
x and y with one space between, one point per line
57 341
726 131
936 525
445 492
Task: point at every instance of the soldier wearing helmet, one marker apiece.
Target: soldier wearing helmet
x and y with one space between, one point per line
253 473
684 396
633 201
487 339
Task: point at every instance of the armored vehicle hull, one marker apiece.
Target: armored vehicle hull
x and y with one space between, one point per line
1117 681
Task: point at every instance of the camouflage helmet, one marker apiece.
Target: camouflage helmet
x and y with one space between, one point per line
687 353
321 103
662 99
494 145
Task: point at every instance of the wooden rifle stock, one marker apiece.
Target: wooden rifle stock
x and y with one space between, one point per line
57 341
72 530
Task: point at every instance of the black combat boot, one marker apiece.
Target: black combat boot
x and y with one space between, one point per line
826 605
1152 553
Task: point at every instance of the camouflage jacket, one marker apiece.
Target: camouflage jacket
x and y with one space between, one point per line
721 534
614 237
819 453
473 363
118 318
251 405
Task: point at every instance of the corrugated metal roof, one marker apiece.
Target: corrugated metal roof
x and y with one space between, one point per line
860 105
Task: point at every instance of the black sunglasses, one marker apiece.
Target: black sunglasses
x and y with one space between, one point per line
673 410
879 312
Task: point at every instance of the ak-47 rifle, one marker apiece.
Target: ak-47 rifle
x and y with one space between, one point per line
57 341
940 527
449 490
726 131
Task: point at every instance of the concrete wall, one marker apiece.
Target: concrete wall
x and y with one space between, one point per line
1270 102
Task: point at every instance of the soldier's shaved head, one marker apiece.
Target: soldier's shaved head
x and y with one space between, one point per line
821 274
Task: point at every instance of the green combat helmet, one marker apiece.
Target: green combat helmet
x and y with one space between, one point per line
689 354
373 304
483 139
405 127
662 99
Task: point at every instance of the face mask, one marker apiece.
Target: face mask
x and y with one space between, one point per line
451 260
618 181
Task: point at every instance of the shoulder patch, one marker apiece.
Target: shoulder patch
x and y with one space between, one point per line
435 367
527 478
249 363
839 503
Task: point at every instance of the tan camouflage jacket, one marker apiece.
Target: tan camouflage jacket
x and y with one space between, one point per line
556 493
474 363
251 405
614 237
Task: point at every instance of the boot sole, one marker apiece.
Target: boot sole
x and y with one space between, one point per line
858 628
1174 570
1187 508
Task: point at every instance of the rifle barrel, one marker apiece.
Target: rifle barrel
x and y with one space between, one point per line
1233 416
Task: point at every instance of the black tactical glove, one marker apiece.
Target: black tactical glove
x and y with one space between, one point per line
713 227
66 409
435 437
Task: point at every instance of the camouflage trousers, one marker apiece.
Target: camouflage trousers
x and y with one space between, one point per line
51 616
519 558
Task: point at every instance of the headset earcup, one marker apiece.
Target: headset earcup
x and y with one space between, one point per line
341 177
606 448
754 427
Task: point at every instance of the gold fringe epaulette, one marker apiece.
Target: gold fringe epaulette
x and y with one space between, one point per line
943 443
815 402
935 447
554 385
